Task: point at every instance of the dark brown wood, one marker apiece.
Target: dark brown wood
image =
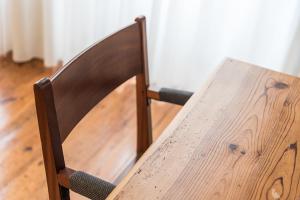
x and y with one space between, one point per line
153 94
50 138
144 124
63 177
88 78
65 98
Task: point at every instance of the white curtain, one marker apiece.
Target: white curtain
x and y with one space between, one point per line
186 39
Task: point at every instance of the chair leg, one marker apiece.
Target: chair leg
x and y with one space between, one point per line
56 191
64 193
50 139
144 125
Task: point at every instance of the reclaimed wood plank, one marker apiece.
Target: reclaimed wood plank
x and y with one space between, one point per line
237 138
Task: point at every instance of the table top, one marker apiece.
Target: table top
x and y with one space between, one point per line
236 138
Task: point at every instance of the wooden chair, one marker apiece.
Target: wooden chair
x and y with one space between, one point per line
66 97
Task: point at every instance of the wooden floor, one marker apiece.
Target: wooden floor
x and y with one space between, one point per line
103 144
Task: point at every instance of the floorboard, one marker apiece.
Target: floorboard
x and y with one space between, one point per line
102 144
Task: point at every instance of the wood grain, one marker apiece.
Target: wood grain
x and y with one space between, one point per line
63 99
94 73
143 107
22 171
237 138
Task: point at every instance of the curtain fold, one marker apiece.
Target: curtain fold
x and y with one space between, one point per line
186 39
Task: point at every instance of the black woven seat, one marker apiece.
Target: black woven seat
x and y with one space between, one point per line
90 186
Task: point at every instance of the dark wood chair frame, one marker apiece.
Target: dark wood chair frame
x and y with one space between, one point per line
66 97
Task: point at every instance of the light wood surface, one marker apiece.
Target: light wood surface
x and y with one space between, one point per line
98 135
236 138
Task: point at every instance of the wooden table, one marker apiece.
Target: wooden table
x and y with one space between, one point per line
236 138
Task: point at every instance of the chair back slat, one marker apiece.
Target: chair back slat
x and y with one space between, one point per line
92 75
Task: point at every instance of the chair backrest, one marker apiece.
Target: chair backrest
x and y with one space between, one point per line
89 77
65 98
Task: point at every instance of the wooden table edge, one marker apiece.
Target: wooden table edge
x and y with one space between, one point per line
168 131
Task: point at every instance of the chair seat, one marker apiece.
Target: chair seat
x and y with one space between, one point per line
90 186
